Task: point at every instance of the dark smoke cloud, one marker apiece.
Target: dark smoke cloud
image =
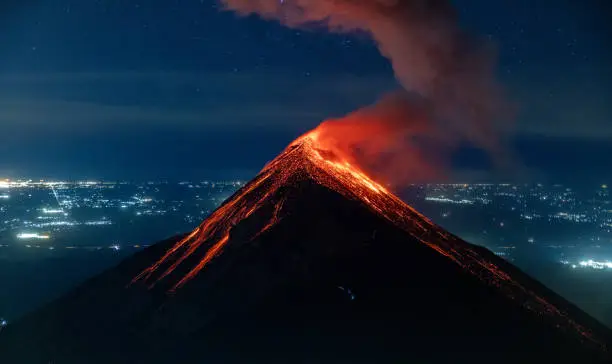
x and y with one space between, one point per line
451 72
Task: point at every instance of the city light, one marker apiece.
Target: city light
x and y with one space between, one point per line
88 183
98 223
4 196
448 200
52 211
3 324
595 265
53 223
28 236
590 263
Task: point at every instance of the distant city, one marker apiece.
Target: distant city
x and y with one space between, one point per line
103 215
54 234
575 226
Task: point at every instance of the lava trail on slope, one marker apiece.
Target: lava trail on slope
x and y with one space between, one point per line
307 158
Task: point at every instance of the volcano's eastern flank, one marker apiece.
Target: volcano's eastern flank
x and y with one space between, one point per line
311 261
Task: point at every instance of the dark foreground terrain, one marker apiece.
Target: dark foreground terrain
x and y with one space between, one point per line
332 281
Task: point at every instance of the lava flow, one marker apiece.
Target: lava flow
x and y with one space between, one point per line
307 158
305 155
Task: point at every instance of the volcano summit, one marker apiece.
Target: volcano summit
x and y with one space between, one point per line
310 262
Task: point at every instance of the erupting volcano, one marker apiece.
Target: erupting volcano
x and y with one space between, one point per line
310 261
316 260
306 157
309 157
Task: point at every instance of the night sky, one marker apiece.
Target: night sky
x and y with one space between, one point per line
177 89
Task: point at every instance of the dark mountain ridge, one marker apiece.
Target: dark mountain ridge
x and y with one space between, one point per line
311 262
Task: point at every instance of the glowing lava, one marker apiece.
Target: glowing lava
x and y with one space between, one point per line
310 158
306 155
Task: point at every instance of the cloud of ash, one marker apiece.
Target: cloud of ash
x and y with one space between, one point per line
450 72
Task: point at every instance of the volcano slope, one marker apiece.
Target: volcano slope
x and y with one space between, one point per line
311 262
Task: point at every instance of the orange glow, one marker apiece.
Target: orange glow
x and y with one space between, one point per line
306 154
146 274
273 221
214 250
312 158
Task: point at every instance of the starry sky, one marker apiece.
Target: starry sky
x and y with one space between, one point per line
178 89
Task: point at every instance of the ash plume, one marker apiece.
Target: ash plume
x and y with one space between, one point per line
393 139
450 71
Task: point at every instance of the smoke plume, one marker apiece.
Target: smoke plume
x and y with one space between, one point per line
393 139
447 76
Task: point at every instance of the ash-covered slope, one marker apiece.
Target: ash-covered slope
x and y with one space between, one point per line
311 262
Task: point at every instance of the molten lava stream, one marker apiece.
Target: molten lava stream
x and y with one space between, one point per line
220 221
212 252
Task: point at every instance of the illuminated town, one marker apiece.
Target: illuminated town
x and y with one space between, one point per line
102 222
102 215
554 221
569 226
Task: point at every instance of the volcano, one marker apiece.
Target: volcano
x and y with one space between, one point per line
310 262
